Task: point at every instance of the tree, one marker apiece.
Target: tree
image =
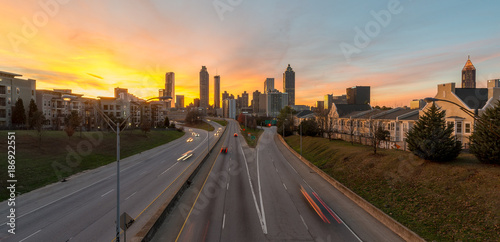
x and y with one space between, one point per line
310 127
241 119
483 143
19 114
322 120
145 125
38 121
31 110
432 139
379 134
71 122
193 117
285 118
166 122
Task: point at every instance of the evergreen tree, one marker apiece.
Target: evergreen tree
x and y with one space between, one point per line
485 145
166 122
19 113
31 111
432 139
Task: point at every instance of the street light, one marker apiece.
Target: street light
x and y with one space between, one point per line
300 125
111 123
474 115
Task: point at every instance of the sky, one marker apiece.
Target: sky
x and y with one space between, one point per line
401 48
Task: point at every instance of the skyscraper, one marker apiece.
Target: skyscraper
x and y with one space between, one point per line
358 95
268 85
469 75
170 88
217 91
289 84
244 100
179 101
204 88
328 101
225 95
255 101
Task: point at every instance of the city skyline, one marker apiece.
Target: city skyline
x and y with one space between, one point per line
92 49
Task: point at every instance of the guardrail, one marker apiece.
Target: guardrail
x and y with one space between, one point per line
399 229
151 227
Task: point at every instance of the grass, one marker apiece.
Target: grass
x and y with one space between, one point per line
59 156
221 122
202 125
253 132
456 201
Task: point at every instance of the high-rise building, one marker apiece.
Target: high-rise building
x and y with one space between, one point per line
358 95
469 75
179 101
204 88
225 95
217 91
229 108
275 101
244 100
169 88
320 105
328 101
196 102
289 84
255 101
268 85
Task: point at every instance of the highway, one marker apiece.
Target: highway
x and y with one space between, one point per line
267 194
84 207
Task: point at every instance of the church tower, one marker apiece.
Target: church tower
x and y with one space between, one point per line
469 75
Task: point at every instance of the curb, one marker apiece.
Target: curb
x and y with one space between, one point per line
399 229
147 232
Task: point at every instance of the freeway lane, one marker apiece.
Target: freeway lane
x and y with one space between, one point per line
255 195
84 207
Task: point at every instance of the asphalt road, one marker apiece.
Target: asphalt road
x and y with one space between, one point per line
267 194
84 207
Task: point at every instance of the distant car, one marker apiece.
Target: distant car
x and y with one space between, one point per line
189 140
235 135
186 156
223 150
196 134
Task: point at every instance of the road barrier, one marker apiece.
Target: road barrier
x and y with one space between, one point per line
385 219
149 230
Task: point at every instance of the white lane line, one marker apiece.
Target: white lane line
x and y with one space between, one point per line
304 222
143 173
130 195
253 193
169 168
223 221
276 170
30 235
260 193
36 209
284 186
107 193
227 187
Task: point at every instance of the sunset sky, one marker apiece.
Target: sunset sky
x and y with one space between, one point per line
92 47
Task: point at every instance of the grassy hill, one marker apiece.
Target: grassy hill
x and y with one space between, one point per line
453 201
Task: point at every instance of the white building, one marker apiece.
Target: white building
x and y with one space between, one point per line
13 88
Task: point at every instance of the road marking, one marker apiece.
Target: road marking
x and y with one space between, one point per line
107 193
227 187
223 221
304 222
30 235
143 173
130 195
262 224
284 186
169 168
260 193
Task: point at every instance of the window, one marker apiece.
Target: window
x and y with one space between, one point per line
2 89
459 127
111 107
105 107
467 128
3 114
118 107
2 101
32 93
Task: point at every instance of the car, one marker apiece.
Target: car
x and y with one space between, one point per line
235 135
223 150
196 134
186 156
189 140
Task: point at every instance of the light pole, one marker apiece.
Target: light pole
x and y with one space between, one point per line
474 115
300 139
111 124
